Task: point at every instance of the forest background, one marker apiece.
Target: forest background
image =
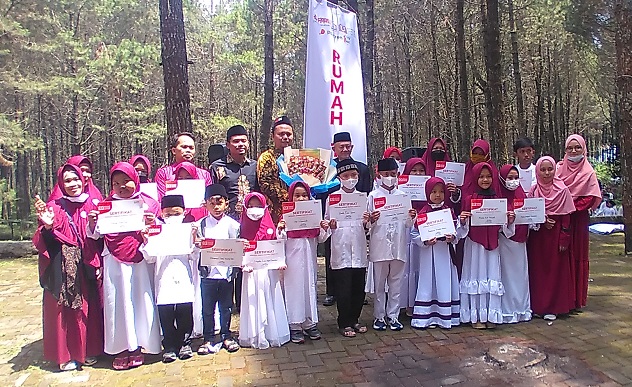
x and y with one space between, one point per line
86 77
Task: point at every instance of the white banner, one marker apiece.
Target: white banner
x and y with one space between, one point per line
334 93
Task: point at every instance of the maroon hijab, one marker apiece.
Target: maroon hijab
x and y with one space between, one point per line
124 246
311 233
522 230
259 230
483 235
470 185
427 157
134 159
88 186
417 204
430 185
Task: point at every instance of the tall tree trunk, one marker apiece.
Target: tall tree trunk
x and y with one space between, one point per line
174 67
464 104
623 43
522 127
374 107
268 68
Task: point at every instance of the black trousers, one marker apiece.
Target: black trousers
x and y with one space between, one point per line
330 290
237 290
216 292
176 321
349 295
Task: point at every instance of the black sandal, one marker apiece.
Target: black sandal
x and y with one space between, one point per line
348 332
359 328
231 345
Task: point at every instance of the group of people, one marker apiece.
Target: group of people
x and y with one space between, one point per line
106 293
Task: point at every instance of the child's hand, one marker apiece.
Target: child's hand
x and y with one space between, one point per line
281 225
465 215
92 218
431 242
149 218
450 187
247 269
412 213
449 238
324 224
333 224
194 231
549 223
511 216
145 234
375 215
366 217
282 267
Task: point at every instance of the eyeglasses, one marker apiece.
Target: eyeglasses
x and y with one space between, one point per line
576 148
346 147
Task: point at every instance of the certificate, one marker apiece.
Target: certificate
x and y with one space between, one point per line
393 208
450 172
222 252
529 211
489 212
347 206
413 186
120 216
149 189
303 215
526 178
265 254
170 239
435 224
191 189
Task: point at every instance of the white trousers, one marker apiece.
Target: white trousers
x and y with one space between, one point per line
391 273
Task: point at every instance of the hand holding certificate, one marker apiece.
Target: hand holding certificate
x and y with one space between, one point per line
435 224
169 239
267 255
489 212
392 208
303 215
120 216
222 252
191 189
348 207
529 211
450 172
413 186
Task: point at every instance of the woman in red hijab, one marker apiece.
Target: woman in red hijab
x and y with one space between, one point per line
85 165
69 265
580 178
516 303
186 170
393 152
550 279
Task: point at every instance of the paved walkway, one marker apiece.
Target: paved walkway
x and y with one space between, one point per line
591 348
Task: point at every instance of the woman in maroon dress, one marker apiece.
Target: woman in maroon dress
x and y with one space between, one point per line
550 281
580 178
69 265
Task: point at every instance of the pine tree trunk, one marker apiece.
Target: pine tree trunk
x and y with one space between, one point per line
268 68
464 104
522 127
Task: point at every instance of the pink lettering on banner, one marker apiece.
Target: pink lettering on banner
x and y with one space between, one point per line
335 112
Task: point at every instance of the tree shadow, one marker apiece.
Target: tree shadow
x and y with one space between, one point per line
32 354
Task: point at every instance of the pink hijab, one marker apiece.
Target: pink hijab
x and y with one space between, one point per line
487 236
557 197
89 187
522 230
311 233
124 246
580 178
417 204
427 157
144 159
257 230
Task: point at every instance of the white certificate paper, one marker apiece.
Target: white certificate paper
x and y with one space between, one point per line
265 255
347 206
170 239
120 216
393 208
525 178
222 252
303 215
435 224
489 212
450 172
149 189
529 211
413 186
191 189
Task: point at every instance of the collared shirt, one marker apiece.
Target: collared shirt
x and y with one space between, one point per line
388 241
224 228
167 173
270 183
228 173
348 242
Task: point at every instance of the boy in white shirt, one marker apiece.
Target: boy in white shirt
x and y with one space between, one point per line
216 281
388 249
348 256
524 151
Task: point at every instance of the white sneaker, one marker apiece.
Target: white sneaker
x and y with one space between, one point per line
550 317
70 366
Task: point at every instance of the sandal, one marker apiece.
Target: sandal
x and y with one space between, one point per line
479 325
348 332
121 363
231 345
359 328
136 360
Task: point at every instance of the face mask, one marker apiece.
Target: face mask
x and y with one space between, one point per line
437 155
477 158
575 159
349 183
435 206
255 213
512 185
388 181
142 176
174 219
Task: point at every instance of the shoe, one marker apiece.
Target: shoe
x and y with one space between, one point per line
169 357
313 333
297 337
207 348
395 324
379 324
550 317
90 361
329 300
185 352
479 325
69 366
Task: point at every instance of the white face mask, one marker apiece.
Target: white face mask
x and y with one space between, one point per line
255 213
388 181
512 185
349 183
576 159
174 219
435 206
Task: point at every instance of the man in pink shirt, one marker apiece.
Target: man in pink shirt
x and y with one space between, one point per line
183 149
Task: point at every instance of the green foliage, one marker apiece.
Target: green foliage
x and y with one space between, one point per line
15 138
605 172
